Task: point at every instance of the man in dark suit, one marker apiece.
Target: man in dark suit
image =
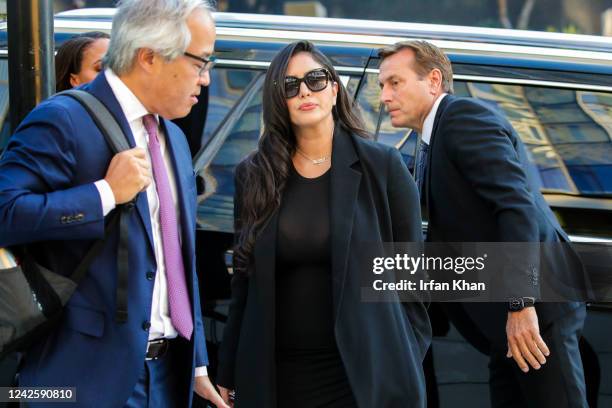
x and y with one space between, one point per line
471 170
59 183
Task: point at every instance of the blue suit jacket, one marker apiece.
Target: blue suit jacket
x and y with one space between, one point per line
47 197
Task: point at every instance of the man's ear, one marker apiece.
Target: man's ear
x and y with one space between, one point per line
435 80
145 57
74 80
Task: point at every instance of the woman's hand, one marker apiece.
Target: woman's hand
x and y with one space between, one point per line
225 394
205 389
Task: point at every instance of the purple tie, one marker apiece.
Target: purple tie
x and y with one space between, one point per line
178 297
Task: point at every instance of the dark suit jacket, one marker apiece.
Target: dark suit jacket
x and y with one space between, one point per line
47 175
382 345
478 188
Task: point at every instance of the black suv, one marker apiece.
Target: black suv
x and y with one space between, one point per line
555 89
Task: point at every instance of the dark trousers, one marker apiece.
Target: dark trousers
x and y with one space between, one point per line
558 384
158 384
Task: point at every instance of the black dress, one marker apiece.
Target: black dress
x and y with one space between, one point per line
309 370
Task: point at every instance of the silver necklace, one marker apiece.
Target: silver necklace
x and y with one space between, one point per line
316 162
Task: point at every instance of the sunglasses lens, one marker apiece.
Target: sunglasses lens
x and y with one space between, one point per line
316 80
292 87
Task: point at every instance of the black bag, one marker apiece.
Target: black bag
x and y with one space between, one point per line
31 296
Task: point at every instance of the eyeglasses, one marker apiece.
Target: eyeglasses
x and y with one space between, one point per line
208 62
316 80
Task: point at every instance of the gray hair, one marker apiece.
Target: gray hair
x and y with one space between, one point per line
160 25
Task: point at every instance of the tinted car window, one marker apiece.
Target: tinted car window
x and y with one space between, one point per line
368 102
4 104
226 86
234 139
567 132
352 85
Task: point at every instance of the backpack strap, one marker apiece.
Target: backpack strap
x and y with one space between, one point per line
118 142
104 120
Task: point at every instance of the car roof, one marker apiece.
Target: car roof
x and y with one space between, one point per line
383 28
546 47
379 33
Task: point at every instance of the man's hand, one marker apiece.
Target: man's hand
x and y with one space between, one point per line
128 174
524 340
225 394
206 390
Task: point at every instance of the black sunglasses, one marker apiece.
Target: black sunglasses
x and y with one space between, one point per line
316 80
208 63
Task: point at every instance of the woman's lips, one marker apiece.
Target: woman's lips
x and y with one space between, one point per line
307 106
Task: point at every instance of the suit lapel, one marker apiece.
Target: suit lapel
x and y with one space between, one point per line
265 269
100 88
426 185
345 181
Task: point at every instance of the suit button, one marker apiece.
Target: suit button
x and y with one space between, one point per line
64 219
150 275
146 326
79 217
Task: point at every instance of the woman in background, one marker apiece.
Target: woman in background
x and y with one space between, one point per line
79 59
298 333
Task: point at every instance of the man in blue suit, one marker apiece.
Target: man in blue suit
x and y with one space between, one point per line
59 181
471 170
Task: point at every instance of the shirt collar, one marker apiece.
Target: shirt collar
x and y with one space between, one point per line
429 120
131 106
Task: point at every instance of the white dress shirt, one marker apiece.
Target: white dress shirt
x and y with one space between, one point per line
429 120
134 111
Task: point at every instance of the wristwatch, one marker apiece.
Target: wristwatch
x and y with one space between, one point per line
517 304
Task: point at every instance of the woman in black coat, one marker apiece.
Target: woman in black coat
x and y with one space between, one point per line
298 332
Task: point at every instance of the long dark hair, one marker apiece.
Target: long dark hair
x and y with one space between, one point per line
264 173
70 57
